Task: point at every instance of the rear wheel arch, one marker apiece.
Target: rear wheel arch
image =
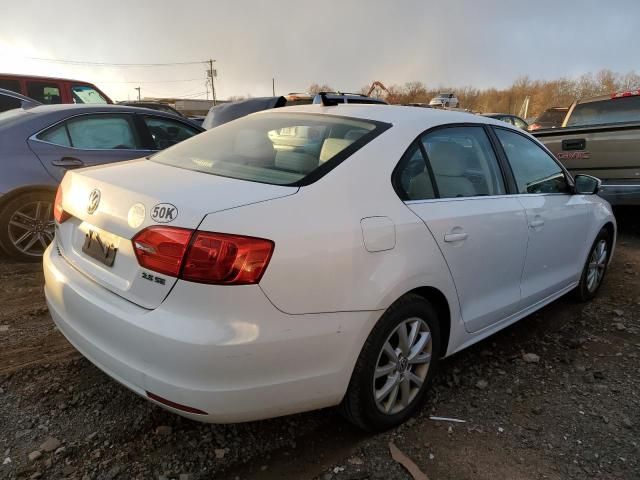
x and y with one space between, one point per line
9 196
441 305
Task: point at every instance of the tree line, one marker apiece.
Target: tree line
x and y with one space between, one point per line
542 94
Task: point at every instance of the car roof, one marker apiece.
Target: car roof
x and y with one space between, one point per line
41 77
91 108
424 118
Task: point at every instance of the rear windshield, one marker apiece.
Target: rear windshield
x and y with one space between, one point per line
274 148
619 110
552 116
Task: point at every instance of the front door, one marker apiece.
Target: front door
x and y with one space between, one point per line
558 221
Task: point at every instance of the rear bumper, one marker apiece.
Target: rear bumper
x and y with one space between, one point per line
619 192
226 351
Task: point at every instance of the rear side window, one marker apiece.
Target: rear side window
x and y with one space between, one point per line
57 135
552 116
274 148
166 132
10 84
412 180
94 132
534 170
462 162
619 110
86 94
48 93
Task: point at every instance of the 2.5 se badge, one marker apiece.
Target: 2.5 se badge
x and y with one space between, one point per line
164 213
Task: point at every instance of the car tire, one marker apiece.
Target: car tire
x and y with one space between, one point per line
364 404
27 217
595 267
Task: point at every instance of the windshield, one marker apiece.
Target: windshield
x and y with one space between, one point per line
86 94
619 110
274 148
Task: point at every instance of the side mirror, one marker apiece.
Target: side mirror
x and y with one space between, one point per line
586 184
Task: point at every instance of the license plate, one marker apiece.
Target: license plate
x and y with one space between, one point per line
99 249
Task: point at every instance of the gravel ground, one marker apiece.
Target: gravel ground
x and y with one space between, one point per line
556 396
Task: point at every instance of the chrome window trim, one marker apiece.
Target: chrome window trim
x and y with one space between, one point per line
35 138
483 197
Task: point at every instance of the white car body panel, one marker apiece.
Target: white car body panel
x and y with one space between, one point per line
346 248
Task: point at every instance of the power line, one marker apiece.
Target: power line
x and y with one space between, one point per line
106 64
153 81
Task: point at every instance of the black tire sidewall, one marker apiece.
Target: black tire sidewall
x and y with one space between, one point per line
7 211
412 306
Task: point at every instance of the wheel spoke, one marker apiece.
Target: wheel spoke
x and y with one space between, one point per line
420 358
390 352
405 388
32 242
38 210
384 370
42 241
24 236
403 339
413 333
26 218
393 397
419 346
387 388
20 225
415 379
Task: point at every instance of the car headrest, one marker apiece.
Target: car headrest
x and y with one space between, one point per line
332 146
253 144
299 162
447 159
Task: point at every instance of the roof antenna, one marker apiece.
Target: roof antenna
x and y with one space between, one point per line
326 102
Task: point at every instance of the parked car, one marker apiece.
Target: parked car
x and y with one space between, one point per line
508 118
10 100
162 107
601 136
338 97
249 277
550 118
221 114
444 100
51 90
38 145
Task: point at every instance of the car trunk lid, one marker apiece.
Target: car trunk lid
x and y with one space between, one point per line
109 205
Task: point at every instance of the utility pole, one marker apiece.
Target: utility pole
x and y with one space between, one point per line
273 86
212 74
138 88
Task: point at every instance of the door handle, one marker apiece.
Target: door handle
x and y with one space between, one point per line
537 223
574 144
68 162
455 237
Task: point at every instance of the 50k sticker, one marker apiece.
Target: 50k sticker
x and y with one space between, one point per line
164 213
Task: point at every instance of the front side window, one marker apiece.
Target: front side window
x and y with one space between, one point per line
519 123
8 103
48 93
463 162
274 148
94 132
166 132
534 170
86 94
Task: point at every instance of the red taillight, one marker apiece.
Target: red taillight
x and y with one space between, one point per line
162 249
226 259
58 212
216 258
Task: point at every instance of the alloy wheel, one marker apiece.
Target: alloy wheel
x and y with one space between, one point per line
402 366
597 265
31 228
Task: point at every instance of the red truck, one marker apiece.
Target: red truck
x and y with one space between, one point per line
53 90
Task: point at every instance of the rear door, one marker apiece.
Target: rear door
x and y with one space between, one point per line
558 221
482 232
87 140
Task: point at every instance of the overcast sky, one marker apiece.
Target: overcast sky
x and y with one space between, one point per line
345 43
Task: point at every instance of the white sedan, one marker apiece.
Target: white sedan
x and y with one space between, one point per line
314 256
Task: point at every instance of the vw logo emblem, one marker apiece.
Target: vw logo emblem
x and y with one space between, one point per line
94 201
